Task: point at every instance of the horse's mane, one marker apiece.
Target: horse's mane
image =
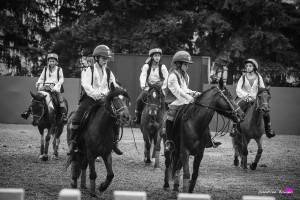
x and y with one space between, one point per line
261 90
156 88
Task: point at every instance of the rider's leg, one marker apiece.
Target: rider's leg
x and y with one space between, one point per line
116 146
243 105
212 142
83 106
63 108
269 132
26 113
139 107
169 145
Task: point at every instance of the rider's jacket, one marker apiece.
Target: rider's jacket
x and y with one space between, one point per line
153 76
244 88
51 77
95 82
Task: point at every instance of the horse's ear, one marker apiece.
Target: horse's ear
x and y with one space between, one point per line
221 83
268 87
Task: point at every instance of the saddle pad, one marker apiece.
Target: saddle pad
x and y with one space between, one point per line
48 100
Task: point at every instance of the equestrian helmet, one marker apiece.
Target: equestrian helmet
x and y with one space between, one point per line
52 55
182 56
156 50
252 61
102 50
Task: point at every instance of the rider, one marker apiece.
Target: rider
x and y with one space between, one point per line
52 75
153 72
246 91
178 92
96 81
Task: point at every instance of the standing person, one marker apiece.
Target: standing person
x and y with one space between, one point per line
51 77
178 93
153 72
246 91
96 81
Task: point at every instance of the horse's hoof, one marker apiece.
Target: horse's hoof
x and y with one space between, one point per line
157 169
45 158
253 166
73 185
176 189
147 161
83 187
103 187
93 197
166 185
236 162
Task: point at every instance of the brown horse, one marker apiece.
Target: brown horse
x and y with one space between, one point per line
96 138
190 132
152 119
46 117
252 128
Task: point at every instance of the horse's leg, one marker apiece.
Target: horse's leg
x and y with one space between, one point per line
56 140
258 154
110 174
178 167
245 153
236 157
84 165
196 165
47 139
93 174
167 169
157 151
147 146
41 130
75 169
185 157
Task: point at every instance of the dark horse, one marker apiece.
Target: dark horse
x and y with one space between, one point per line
45 116
190 132
152 123
96 138
252 128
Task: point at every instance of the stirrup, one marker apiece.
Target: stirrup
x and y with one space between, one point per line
71 147
233 132
169 145
25 115
270 133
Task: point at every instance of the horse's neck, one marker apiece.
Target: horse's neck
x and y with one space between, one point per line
254 115
203 116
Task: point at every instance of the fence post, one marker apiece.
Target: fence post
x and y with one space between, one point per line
258 198
128 195
70 194
188 196
12 193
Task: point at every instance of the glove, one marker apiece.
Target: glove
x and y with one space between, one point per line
55 89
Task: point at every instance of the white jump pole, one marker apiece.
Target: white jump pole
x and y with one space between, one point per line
12 194
258 198
70 194
129 195
188 196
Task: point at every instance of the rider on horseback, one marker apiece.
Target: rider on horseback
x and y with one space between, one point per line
153 72
246 91
96 81
51 80
178 94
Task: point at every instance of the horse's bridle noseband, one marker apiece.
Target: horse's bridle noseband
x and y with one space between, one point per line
116 113
234 112
44 110
260 106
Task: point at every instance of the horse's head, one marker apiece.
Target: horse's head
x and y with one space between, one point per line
154 100
263 100
226 105
117 103
38 107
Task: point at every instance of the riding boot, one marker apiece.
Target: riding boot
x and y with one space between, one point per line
64 118
26 113
269 132
211 142
169 145
72 143
233 131
116 147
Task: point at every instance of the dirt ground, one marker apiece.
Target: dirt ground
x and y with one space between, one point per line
278 168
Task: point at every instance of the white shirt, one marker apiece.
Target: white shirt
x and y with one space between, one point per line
181 92
248 90
51 77
153 76
100 85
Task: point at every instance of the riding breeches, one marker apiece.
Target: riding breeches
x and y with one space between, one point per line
140 101
82 108
171 113
243 104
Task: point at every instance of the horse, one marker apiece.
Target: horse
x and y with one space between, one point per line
45 116
252 128
152 119
96 138
191 133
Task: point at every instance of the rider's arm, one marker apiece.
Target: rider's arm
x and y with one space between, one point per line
40 81
60 82
239 90
165 73
174 87
261 80
86 82
143 76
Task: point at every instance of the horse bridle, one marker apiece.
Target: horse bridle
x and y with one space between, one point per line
116 113
44 110
259 106
151 104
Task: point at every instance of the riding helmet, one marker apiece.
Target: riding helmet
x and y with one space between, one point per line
102 50
155 50
182 56
252 61
52 55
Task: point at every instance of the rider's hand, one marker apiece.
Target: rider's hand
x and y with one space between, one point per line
55 89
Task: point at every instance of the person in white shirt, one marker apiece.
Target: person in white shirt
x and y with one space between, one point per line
153 72
178 94
96 82
51 80
246 91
